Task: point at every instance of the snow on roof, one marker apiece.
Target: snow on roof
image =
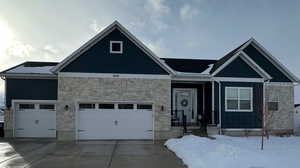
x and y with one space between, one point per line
34 70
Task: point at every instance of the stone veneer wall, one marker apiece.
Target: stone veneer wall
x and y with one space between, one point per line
281 121
73 89
8 123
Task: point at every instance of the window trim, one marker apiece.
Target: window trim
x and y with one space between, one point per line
239 110
116 52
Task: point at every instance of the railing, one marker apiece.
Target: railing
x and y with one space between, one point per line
178 119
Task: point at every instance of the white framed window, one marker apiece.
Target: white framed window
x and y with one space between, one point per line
116 47
238 99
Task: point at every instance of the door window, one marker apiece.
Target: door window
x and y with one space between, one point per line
125 106
47 106
26 106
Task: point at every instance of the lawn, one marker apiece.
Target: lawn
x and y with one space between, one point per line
237 152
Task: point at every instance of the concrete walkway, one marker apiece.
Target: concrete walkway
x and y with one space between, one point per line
103 154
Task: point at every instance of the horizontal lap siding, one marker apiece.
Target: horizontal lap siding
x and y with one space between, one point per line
30 89
243 119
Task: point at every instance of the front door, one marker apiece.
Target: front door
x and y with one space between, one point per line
184 100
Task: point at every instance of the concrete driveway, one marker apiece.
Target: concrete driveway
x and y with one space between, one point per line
103 154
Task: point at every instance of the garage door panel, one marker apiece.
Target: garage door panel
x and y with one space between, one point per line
35 123
95 125
115 124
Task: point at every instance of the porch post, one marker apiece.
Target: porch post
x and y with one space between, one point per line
213 102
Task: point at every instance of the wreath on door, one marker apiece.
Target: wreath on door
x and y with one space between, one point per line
184 103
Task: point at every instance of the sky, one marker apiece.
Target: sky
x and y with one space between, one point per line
206 29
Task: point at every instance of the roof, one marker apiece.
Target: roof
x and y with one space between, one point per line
101 35
227 57
189 65
31 68
297 105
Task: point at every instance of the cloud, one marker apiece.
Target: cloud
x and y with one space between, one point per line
157 11
96 27
188 12
157 7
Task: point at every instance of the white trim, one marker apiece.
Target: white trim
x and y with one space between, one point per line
274 61
203 97
101 35
5 92
241 129
280 84
111 75
254 66
213 102
239 110
248 61
18 101
30 76
116 42
229 79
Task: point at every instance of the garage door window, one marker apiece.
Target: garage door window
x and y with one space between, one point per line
47 106
106 106
144 106
125 106
86 106
26 106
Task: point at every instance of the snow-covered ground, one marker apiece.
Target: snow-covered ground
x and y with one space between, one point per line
237 152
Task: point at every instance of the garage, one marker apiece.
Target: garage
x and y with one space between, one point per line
115 121
35 120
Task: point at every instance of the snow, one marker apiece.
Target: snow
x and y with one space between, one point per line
237 152
208 69
37 70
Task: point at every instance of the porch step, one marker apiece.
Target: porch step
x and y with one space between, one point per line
211 130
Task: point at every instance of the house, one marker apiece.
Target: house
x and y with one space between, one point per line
114 87
297 120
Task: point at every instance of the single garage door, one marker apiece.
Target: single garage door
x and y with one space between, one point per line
35 120
115 121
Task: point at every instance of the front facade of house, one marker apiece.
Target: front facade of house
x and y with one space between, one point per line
114 87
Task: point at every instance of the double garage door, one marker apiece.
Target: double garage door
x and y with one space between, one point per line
114 121
35 120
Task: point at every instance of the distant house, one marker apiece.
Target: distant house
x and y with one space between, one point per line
297 119
114 87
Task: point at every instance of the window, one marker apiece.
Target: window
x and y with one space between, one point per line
116 47
273 106
238 99
144 106
106 106
26 106
86 106
47 106
125 106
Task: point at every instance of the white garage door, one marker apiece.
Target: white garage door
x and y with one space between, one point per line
115 121
35 120
297 121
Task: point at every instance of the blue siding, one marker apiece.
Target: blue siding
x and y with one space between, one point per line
98 58
264 63
238 68
30 89
243 119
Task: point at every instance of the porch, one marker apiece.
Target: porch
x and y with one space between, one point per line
192 104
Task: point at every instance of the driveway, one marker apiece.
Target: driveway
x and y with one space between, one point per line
103 154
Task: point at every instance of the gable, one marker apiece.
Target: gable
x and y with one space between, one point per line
238 68
263 62
98 58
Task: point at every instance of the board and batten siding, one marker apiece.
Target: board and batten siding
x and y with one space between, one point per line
238 119
263 62
238 68
98 58
30 89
